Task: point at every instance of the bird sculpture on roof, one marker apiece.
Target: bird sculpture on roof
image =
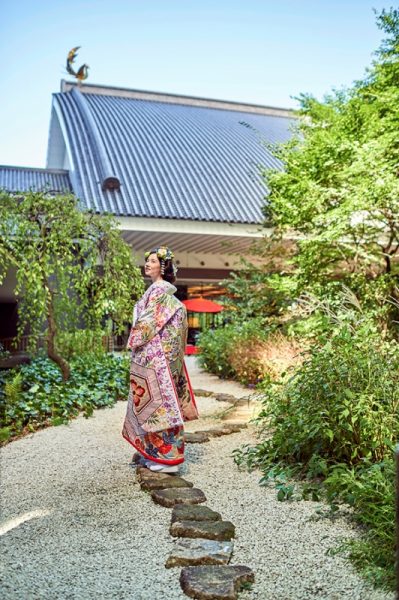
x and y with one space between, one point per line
83 71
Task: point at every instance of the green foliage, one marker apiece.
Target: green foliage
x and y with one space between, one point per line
339 188
13 388
327 431
80 342
73 267
3 353
216 345
255 292
35 395
341 405
334 423
369 489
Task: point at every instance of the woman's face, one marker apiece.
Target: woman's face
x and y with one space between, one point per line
152 267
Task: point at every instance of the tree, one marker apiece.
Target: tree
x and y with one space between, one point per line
259 290
72 267
339 190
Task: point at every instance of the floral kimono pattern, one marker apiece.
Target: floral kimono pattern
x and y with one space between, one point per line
160 395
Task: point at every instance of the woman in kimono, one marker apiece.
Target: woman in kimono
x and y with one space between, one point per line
160 396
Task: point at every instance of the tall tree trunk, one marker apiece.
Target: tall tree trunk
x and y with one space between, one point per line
52 330
387 259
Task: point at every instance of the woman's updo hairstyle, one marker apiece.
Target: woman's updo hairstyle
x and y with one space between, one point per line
165 257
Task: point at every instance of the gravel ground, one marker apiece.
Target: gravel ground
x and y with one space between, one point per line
278 540
91 533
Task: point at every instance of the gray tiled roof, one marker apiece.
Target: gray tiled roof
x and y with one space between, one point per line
172 160
23 179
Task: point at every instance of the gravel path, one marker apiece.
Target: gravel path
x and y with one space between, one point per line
75 524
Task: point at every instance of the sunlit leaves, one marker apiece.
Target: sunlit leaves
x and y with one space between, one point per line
71 262
340 183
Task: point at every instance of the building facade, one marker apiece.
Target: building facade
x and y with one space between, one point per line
174 170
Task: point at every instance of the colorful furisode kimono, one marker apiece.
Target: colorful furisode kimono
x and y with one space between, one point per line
160 395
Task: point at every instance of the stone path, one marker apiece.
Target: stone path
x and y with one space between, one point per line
203 538
75 524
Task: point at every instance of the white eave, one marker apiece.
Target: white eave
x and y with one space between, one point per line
190 236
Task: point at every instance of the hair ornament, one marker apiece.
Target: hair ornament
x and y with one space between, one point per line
165 253
162 252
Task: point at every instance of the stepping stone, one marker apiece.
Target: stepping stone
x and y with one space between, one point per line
210 530
194 512
173 496
199 552
215 582
153 483
224 430
226 398
202 393
216 432
144 474
235 427
198 437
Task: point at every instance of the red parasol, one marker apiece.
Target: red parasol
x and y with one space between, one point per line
200 305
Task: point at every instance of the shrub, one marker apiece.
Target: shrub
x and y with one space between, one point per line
341 405
369 489
214 346
254 360
35 395
79 342
247 351
217 346
334 422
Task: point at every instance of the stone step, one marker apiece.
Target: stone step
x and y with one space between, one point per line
143 473
203 393
226 398
196 437
214 582
151 483
172 496
210 530
225 429
199 552
243 412
194 512
200 437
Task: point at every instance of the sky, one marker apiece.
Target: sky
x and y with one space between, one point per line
256 51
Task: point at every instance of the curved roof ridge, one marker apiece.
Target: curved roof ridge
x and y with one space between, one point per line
109 181
108 90
174 160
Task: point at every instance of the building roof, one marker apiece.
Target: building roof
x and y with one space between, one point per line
147 154
24 179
